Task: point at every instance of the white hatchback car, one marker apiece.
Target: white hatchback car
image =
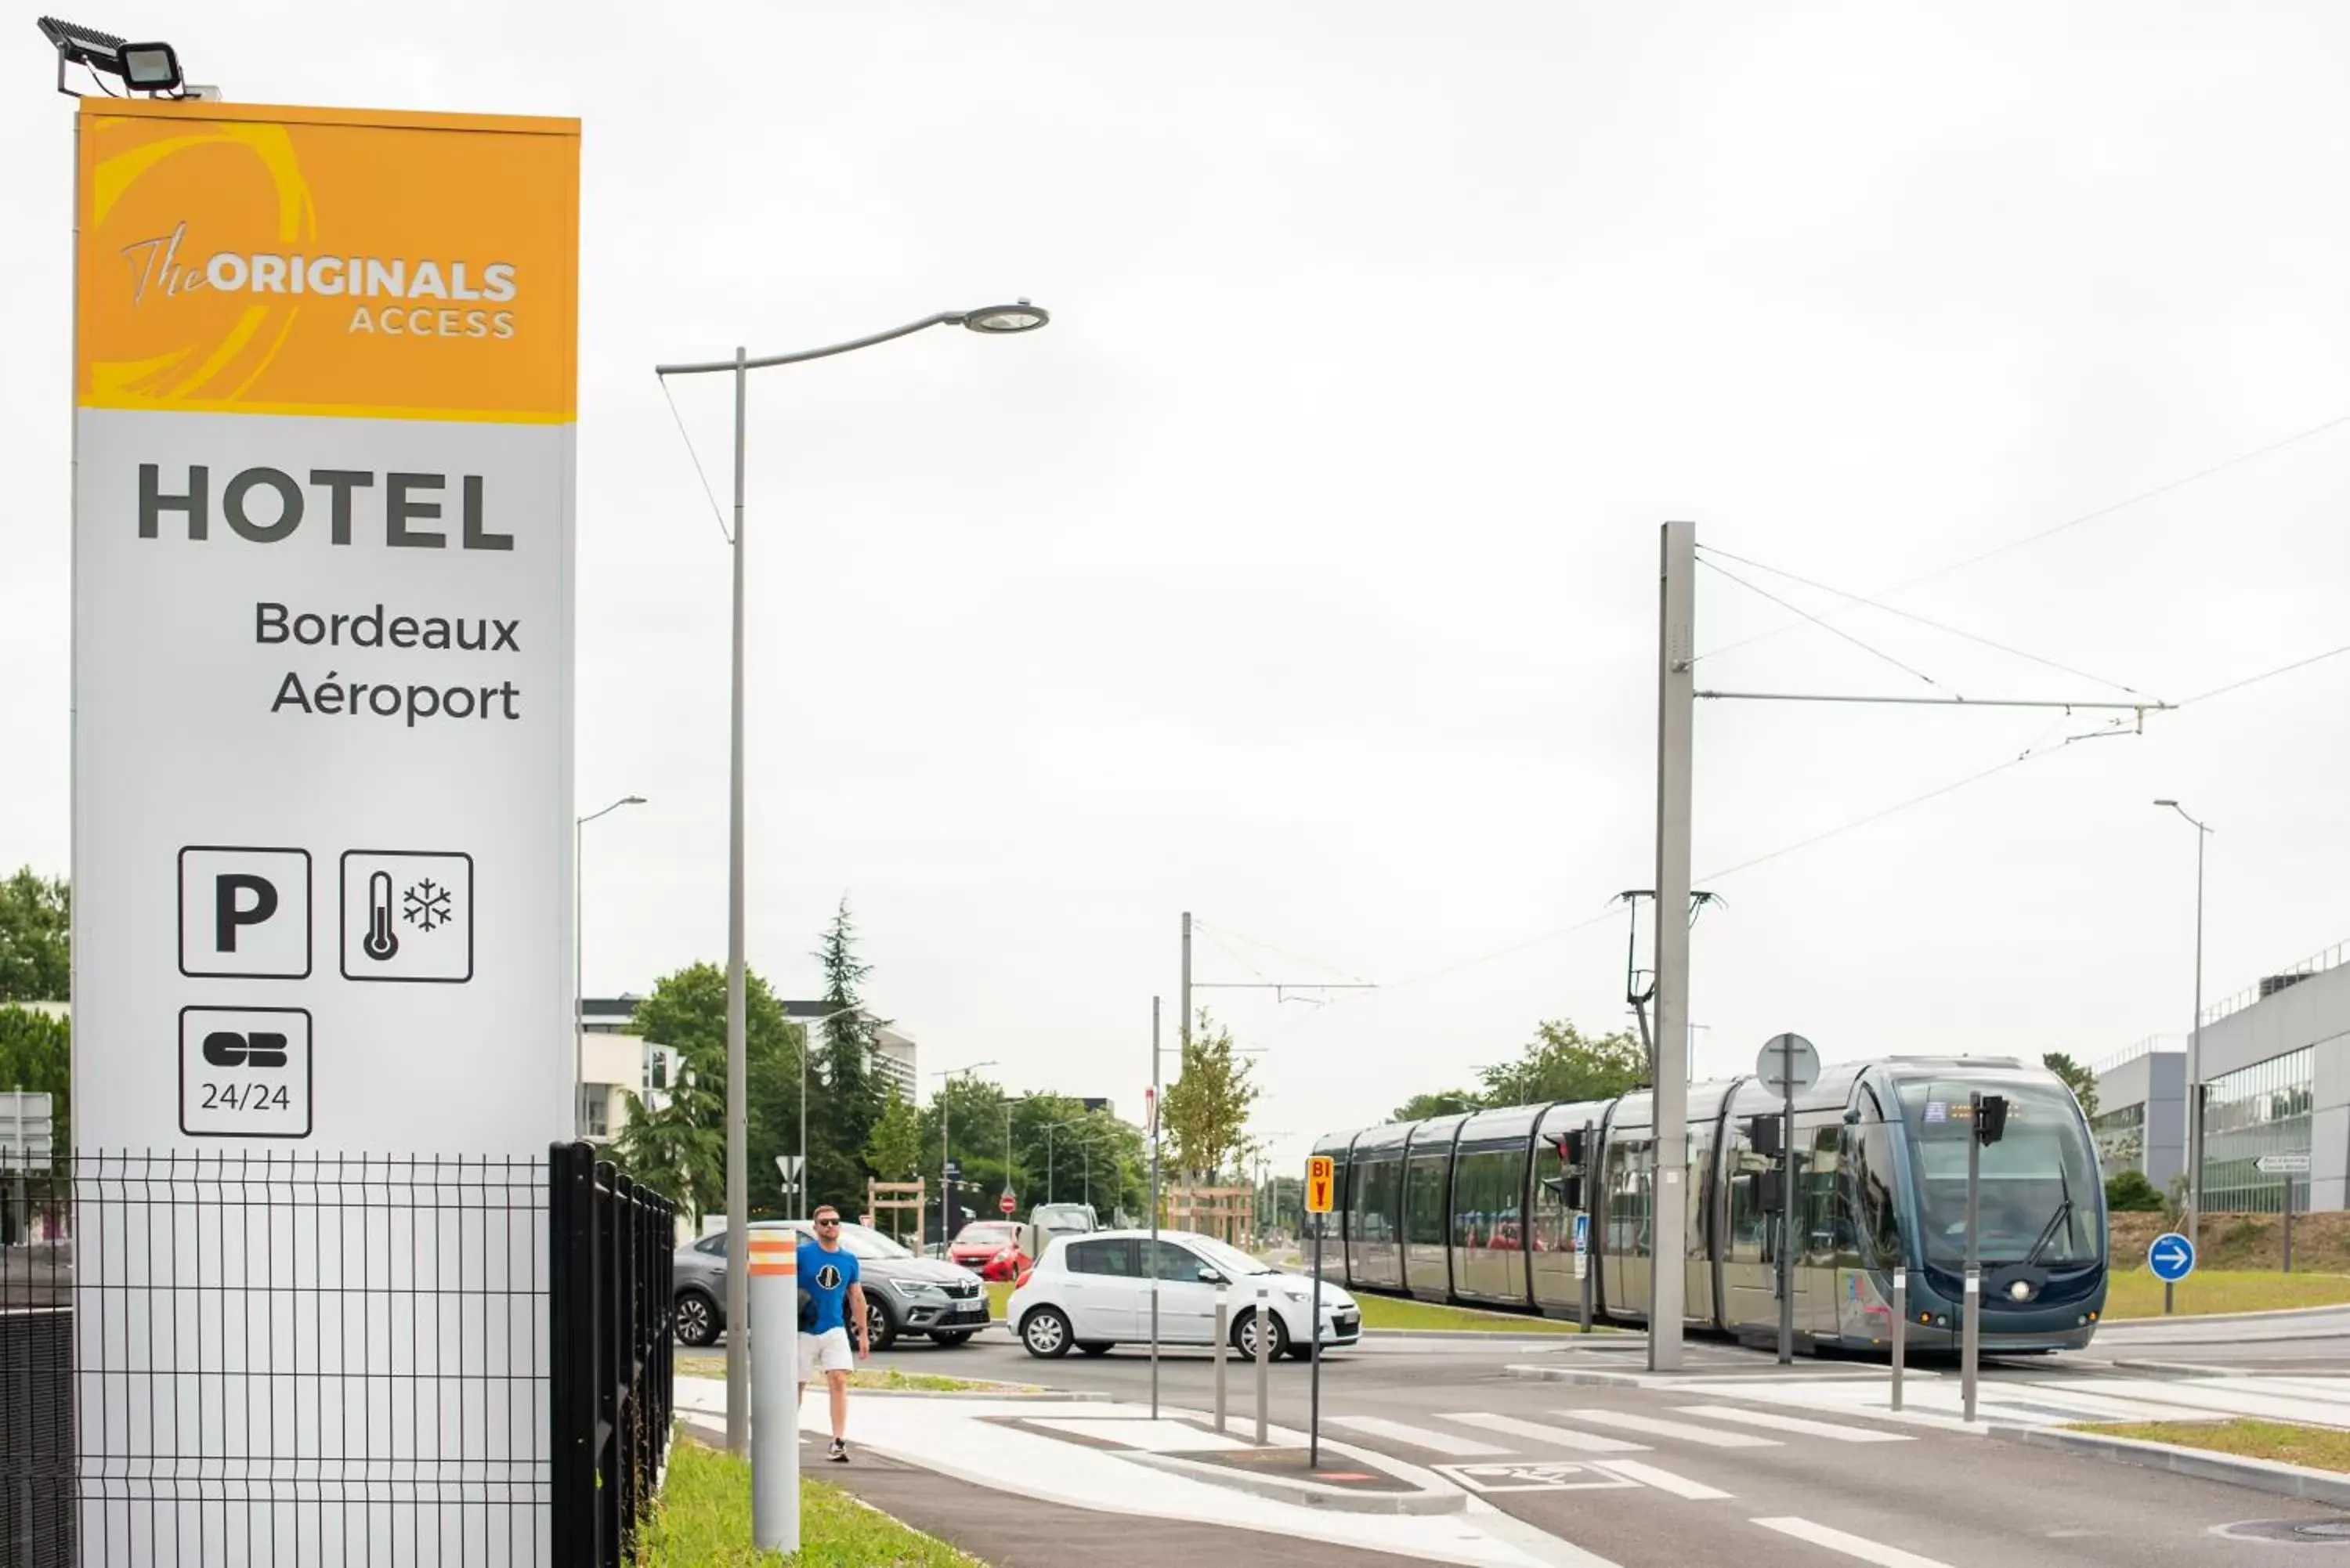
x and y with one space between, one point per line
1092 1292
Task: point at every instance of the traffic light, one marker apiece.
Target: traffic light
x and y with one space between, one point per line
1573 1146
1990 1118
1764 1133
1770 1190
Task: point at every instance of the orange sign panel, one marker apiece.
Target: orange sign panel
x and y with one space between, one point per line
1320 1178
238 259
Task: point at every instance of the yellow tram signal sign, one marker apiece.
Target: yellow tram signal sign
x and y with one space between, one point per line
1321 1175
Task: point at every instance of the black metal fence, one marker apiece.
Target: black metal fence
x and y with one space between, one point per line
613 1339
282 1359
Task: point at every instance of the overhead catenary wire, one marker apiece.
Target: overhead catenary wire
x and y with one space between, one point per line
695 458
1822 624
2254 455
1704 550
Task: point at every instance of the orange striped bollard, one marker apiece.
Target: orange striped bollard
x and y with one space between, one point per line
774 1352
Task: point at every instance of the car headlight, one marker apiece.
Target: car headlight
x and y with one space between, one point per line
1294 1294
920 1288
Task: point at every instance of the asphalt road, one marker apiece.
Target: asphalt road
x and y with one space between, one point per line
1655 1479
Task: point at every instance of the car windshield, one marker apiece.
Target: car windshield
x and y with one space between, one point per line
984 1236
1230 1261
2039 1180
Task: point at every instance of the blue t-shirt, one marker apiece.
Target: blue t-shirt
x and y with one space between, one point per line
827 1276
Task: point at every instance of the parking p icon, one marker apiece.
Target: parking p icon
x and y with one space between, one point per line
244 913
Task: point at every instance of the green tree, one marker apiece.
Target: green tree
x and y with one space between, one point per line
1444 1103
36 926
2080 1080
1562 1063
687 1012
679 1146
37 1054
1206 1110
853 1101
893 1149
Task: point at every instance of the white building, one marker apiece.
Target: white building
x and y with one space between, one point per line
613 1057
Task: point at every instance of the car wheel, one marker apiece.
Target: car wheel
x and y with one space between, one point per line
697 1319
953 1341
1095 1346
1046 1333
1244 1336
881 1333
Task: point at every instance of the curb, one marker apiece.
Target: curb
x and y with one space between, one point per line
2258 1475
2123 1325
1581 1378
2190 1369
1280 1489
1598 1336
1007 1395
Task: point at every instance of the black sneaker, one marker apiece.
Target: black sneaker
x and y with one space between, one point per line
838 1453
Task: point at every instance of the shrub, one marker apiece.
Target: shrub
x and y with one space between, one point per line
2129 1193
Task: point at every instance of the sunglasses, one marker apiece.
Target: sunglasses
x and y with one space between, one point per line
828 1224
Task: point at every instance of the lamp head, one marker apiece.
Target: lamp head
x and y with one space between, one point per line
1002 320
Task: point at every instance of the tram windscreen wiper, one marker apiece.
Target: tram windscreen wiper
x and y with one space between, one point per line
2048 1231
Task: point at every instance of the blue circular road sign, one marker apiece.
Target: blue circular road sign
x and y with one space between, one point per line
2171 1257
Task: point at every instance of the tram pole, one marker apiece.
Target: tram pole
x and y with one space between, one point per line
1587 1182
1970 1305
1788 1201
1676 713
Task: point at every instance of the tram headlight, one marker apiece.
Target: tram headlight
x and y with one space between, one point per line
2020 1291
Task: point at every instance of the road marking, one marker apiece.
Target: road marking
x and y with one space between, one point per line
1663 1480
1544 1432
1418 1437
1777 1423
1705 1436
1859 1546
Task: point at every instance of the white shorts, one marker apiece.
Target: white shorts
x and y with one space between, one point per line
825 1352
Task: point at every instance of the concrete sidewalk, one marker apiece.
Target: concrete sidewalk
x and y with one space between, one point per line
1007 1530
991 1448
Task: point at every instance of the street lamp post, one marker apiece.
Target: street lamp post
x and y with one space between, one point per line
2195 1046
579 962
996 321
946 1151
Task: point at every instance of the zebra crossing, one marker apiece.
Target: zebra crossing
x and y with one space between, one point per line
1590 1448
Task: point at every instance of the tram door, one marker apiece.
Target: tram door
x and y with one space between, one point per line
1627 1212
1819 1230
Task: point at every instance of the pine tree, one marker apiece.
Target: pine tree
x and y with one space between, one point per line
841 1119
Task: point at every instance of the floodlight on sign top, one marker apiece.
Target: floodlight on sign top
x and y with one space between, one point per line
151 68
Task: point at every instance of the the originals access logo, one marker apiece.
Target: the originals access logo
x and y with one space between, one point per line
160 271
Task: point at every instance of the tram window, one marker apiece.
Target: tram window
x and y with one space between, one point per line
1423 1209
1378 1187
1748 1225
1825 1232
1696 1238
1554 1225
1873 1177
1485 1199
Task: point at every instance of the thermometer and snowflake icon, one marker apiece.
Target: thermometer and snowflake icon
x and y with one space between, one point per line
407 916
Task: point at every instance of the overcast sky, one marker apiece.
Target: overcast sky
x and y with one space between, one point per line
1303 573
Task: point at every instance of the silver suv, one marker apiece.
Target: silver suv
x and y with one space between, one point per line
903 1293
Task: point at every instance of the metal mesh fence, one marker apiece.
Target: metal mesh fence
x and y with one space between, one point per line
275 1359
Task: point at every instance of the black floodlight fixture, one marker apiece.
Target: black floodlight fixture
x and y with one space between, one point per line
1003 319
151 68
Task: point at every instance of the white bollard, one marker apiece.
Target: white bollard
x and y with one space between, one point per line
774 1351
1263 1352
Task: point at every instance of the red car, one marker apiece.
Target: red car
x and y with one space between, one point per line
991 1248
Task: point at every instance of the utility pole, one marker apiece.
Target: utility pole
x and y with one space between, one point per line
1676 714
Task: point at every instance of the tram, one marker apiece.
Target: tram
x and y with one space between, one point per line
1482 1208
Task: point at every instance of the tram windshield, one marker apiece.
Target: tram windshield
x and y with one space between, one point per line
2039 1201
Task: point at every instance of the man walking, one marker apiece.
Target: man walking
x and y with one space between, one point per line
829 1275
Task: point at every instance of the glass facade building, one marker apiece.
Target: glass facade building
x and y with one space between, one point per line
2260 1109
2121 1140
